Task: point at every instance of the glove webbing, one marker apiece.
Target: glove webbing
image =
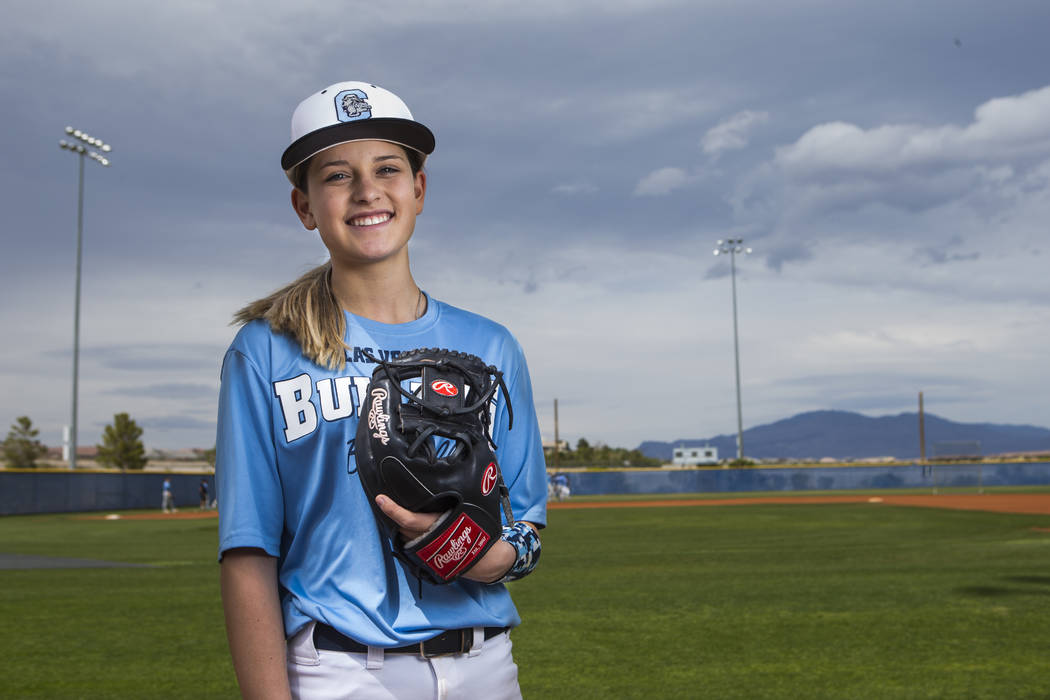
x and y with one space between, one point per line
448 361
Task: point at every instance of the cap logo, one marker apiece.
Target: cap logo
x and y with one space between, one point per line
351 105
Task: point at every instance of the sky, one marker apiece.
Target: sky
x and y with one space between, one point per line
887 162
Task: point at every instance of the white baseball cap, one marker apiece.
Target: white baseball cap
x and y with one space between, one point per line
351 111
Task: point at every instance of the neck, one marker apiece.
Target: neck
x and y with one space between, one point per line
384 295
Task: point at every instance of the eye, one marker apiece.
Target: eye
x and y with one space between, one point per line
335 177
389 170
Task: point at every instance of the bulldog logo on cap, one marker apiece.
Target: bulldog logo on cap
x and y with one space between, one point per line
351 105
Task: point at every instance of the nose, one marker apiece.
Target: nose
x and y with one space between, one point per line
365 189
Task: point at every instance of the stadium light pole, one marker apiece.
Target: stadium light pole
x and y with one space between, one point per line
82 150
730 247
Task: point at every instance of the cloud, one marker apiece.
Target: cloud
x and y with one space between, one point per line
576 188
153 358
786 252
169 391
1003 129
545 129
732 134
884 391
930 194
176 422
661 182
939 256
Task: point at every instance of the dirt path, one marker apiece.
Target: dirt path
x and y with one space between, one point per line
1032 503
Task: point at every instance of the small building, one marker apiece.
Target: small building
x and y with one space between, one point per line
694 456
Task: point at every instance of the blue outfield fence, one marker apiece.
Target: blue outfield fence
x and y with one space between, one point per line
809 478
64 492
26 492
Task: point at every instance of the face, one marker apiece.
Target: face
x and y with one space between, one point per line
363 200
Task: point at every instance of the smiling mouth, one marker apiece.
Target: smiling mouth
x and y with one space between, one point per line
371 219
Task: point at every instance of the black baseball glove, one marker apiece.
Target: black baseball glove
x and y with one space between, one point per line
424 440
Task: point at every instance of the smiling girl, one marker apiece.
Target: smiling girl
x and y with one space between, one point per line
316 605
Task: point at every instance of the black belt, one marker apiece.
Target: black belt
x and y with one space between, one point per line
448 642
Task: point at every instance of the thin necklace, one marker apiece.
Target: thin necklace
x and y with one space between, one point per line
421 307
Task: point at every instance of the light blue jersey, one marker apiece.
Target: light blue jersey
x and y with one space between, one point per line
286 480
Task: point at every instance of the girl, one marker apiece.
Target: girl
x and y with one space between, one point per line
315 604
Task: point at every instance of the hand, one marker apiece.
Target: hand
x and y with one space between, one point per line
490 568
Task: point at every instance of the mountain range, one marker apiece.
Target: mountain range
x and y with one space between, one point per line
845 435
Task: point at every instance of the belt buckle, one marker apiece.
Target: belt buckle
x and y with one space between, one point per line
466 641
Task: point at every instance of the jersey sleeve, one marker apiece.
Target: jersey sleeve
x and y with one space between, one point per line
520 449
248 488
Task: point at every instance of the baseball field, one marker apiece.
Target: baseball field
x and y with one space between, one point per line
852 596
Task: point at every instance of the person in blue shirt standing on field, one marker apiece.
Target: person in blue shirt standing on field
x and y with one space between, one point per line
316 605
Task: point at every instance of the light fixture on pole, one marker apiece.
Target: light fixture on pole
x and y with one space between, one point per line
83 150
730 247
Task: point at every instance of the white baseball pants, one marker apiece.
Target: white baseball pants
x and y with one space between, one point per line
488 671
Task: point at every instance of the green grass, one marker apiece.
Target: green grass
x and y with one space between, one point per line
120 632
772 601
787 601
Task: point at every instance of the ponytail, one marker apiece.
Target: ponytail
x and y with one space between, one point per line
307 310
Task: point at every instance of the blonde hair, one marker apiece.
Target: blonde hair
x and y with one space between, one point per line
308 311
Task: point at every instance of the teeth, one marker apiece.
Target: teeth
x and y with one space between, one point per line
370 220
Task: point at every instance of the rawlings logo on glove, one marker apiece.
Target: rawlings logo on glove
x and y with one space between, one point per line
377 419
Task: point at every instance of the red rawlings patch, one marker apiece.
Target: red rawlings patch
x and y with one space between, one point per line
456 548
444 387
488 479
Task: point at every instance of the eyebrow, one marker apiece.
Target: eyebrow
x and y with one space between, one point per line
346 164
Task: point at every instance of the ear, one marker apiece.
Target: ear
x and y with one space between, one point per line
301 204
420 190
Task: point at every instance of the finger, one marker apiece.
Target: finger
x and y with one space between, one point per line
405 519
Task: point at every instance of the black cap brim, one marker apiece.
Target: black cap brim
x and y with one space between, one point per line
400 131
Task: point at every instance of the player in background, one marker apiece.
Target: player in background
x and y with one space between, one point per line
167 496
315 604
561 486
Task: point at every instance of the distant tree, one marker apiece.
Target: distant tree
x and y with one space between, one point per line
602 455
122 444
21 448
584 451
209 457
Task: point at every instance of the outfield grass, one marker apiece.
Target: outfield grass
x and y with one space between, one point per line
787 601
771 601
120 632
